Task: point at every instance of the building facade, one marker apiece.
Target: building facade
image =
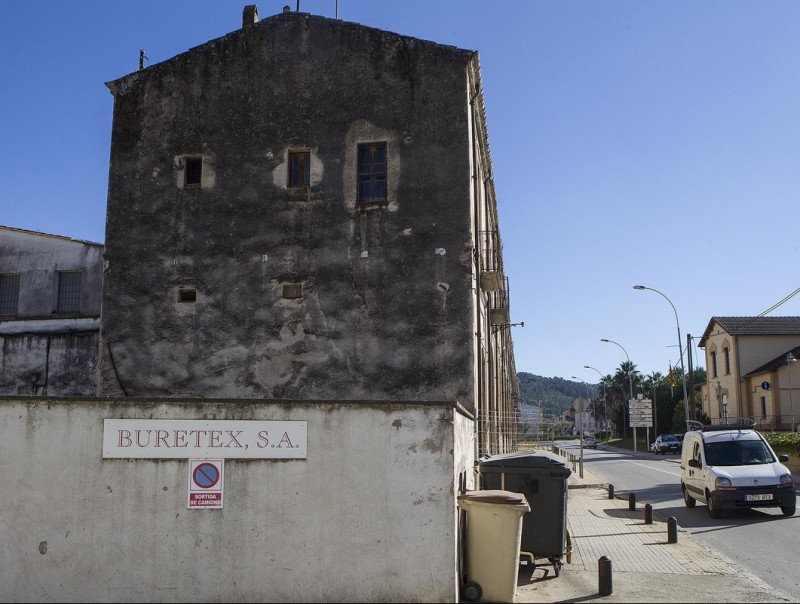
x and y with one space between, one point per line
304 209
749 370
49 313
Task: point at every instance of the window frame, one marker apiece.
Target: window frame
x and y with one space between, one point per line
713 362
374 175
187 295
192 170
302 170
10 281
69 289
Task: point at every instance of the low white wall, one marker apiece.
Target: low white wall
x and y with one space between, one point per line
369 516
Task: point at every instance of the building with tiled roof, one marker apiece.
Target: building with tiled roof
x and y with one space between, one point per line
749 370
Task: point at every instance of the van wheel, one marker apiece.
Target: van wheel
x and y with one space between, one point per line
688 499
788 511
712 508
472 592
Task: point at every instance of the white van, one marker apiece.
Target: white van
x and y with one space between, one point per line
733 467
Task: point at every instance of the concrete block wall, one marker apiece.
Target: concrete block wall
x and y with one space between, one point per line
369 516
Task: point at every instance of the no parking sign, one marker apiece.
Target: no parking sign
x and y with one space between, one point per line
206 479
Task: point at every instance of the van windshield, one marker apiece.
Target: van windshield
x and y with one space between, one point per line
738 453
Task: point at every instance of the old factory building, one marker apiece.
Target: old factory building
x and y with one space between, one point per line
304 209
303 342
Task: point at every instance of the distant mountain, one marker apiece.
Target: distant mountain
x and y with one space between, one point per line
555 395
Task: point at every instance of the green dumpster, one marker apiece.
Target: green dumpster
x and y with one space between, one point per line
542 477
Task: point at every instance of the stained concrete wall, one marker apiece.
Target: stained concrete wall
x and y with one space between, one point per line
387 306
54 364
369 516
43 352
37 257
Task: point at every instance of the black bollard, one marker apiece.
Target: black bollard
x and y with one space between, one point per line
672 530
631 501
648 513
611 491
605 581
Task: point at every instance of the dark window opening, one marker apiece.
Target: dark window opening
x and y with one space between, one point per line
9 294
763 407
187 295
713 364
727 355
372 172
299 168
292 290
194 170
69 292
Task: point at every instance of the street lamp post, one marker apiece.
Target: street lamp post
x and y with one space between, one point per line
630 386
680 348
605 412
790 358
580 466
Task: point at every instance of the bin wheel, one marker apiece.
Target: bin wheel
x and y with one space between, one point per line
556 565
472 592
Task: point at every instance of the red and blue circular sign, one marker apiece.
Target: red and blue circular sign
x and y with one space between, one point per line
206 475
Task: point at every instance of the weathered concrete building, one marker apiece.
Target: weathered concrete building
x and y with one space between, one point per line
304 209
49 313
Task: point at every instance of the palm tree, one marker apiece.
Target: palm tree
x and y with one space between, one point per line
623 384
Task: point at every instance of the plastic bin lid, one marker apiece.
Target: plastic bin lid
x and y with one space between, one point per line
495 496
540 459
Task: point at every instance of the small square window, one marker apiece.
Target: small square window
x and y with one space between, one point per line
9 295
193 170
187 295
69 292
372 172
292 291
299 168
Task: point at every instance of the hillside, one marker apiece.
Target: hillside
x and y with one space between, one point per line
554 394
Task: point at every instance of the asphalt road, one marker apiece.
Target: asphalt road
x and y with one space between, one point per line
763 542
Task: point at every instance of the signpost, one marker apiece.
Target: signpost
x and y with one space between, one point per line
641 415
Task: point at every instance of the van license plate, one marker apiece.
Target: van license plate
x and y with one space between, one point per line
761 497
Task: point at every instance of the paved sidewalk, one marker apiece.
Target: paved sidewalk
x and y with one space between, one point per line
645 567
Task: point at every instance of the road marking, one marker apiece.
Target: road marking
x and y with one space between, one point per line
652 468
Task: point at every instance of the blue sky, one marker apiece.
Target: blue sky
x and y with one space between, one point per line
653 142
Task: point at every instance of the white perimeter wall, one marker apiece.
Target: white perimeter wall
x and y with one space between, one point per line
369 516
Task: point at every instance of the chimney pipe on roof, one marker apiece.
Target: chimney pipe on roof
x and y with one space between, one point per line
249 15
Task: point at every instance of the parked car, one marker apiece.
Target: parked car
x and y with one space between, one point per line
667 443
590 441
733 467
679 437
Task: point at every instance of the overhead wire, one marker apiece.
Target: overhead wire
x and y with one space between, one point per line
777 304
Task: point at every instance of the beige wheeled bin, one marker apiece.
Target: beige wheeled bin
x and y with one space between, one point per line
494 534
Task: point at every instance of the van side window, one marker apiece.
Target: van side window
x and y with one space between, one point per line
696 452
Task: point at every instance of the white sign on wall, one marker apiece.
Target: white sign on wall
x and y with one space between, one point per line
206 481
198 439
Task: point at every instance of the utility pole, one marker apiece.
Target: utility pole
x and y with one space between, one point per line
690 406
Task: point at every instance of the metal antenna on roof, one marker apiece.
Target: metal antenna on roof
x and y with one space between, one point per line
142 58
